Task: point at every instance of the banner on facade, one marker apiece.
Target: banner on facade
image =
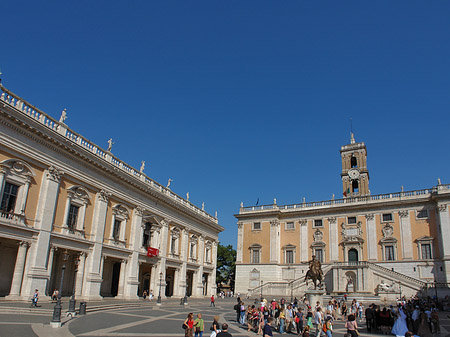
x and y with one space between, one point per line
152 252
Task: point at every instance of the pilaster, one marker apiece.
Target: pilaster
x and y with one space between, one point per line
36 274
371 232
443 234
275 241
304 249
405 234
240 242
333 234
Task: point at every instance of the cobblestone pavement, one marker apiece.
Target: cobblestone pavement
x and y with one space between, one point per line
110 318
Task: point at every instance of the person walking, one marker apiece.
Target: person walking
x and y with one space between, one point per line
215 326
35 299
352 326
299 321
224 332
328 327
199 326
213 301
318 319
189 325
267 330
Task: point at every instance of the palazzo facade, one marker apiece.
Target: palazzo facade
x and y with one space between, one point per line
68 207
368 244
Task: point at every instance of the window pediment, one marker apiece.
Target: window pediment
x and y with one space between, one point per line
78 193
424 239
255 246
19 169
121 211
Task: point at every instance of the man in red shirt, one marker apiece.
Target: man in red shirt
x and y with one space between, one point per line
212 301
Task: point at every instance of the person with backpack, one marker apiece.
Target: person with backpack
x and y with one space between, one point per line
328 327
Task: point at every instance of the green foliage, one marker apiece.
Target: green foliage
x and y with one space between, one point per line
226 265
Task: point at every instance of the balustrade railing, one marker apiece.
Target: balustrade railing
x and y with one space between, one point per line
31 111
349 200
13 217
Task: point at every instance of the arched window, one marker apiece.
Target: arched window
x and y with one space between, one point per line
352 255
353 162
355 186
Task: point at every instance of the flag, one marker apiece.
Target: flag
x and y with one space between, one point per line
346 192
152 252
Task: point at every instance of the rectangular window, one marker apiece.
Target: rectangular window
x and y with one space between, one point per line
290 225
423 214
289 256
426 251
257 226
116 229
173 246
255 256
351 219
387 217
9 197
318 223
319 255
389 253
72 218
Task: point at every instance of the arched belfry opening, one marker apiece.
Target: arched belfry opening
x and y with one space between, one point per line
353 162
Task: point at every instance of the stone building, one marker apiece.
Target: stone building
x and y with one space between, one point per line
65 203
368 244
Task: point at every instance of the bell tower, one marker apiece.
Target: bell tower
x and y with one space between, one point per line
355 176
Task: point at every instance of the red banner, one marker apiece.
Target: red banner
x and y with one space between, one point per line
152 252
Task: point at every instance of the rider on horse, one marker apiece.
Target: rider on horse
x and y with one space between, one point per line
315 272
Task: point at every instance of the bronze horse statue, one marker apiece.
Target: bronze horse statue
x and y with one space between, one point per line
314 273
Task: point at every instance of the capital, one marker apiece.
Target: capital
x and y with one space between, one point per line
332 219
103 195
274 223
369 216
442 208
240 225
54 174
303 222
403 214
139 211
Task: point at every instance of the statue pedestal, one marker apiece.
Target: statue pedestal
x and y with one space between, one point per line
314 296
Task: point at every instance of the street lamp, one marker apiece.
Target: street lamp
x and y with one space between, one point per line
72 301
56 320
261 290
158 301
435 291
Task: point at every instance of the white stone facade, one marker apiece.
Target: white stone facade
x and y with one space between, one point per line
67 204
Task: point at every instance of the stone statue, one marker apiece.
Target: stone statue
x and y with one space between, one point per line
110 144
169 182
242 204
383 286
315 272
215 214
187 196
332 196
63 116
142 166
274 201
203 206
439 181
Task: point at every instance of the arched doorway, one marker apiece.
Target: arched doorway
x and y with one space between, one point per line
352 255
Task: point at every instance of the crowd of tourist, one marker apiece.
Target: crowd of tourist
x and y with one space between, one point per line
412 317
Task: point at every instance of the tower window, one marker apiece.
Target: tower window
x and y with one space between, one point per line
353 162
355 186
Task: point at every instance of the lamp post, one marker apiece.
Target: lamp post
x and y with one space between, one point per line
158 301
56 320
261 290
435 290
72 301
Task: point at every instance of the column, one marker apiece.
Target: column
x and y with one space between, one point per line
443 235
304 249
132 276
214 262
51 255
333 234
36 274
274 241
163 253
18 270
200 257
154 281
177 287
405 234
371 232
123 271
94 261
240 242
80 275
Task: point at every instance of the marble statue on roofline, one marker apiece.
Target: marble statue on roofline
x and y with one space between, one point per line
169 182
110 144
142 166
63 116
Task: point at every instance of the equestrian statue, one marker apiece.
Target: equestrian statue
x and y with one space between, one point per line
315 273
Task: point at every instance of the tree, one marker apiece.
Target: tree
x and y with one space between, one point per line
226 266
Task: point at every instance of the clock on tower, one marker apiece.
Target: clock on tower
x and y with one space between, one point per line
355 176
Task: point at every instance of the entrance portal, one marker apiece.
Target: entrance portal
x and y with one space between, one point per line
170 275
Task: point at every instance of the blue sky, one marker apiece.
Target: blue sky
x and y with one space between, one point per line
240 100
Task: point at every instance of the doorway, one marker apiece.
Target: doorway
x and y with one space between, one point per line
352 255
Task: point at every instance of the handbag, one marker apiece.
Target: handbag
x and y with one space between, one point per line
184 326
